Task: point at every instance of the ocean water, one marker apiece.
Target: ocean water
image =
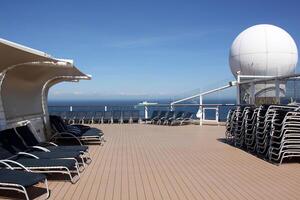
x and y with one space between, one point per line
99 105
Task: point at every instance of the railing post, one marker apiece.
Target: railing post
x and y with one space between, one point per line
105 108
146 112
71 108
217 114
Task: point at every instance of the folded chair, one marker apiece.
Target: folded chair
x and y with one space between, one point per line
20 181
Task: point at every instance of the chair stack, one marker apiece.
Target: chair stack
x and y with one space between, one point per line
285 136
270 131
250 129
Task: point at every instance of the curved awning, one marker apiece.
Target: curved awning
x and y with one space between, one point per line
13 54
22 87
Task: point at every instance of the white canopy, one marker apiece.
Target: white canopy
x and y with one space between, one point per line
26 75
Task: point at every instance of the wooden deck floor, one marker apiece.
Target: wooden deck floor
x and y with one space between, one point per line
190 162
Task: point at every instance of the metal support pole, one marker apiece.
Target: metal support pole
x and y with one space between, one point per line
238 101
277 91
201 110
217 114
71 108
146 112
252 93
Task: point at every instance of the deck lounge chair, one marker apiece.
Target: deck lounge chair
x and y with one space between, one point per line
28 137
168 115
187 118
126 116
117 116
98 117
176 116
79 118
20 181
89 117
39 165
135 116
108 117
154 115
11 138
160 116
78 132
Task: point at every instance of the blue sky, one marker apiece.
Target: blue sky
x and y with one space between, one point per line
141 48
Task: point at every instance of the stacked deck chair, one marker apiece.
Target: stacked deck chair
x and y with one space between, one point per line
164 120
239 125
250 129
80 132
228 125
37 163
160 115
186 118
20 181
285 136
263 130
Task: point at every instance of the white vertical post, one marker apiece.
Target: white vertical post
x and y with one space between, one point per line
238 101
217 114
277 91
146 112
201 110
71 108
252 93
105 108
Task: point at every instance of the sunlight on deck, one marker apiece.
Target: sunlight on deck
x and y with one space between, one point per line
189 162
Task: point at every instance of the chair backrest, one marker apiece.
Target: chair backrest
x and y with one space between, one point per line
135 115
170 114
188 115
107 114
155 113
162 114
58 123
179 114
99 114
117 114
4 153
90 115
12 141
126 114
27 135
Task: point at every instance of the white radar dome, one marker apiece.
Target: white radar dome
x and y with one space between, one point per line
263 50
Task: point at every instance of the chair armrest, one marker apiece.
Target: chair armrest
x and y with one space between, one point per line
27 154
66 133
5 164
40 148
16 163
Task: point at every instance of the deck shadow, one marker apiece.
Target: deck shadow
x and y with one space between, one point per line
295 160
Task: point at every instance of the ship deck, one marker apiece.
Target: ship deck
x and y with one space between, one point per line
189 162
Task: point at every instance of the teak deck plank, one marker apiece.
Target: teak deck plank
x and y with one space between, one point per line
190 162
